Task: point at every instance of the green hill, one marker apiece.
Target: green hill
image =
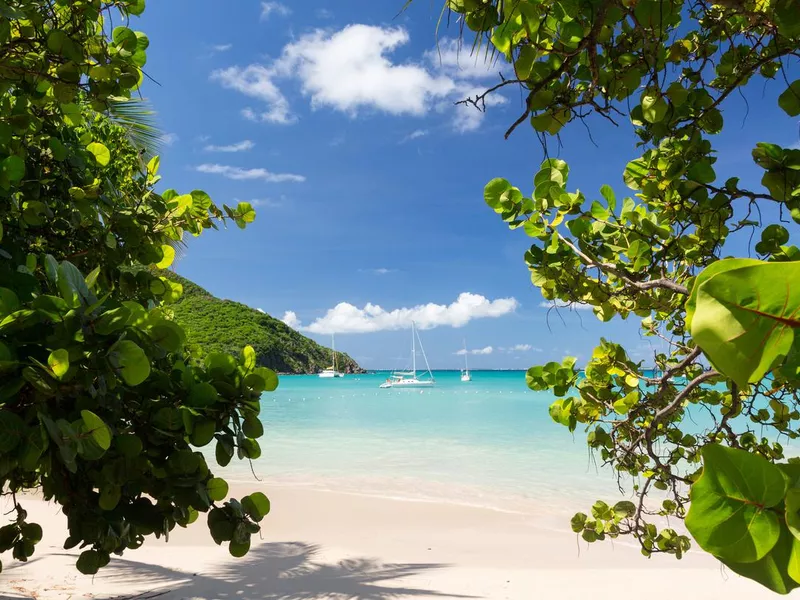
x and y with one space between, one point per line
225 326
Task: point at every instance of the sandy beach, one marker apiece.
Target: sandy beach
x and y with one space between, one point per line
327 545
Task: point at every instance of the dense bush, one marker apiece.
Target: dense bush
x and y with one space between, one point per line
101 407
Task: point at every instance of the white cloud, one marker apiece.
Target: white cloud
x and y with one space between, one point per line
415 135
274 8
290 319
169 139
256 81
261 310
349 70
240 174
242 146
323 13
353 70
521 348
476 351
561 304
222 47
346 318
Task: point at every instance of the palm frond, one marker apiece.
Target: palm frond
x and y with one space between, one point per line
138 118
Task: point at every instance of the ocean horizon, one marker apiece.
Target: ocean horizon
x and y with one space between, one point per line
488 443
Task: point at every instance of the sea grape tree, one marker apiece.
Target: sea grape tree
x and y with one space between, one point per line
102 408
668 69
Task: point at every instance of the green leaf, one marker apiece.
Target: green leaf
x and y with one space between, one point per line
789 100
99 431
132 362
248 358
779 570
217 489
256 505
168 253
715 268
128 444
654 107
608 193
203 432
220 364
59 362
252 427
494 191
13 167
168 335
729 514
745 318
202 395
101 154
113 320
88 562
12 431
110 497
239 549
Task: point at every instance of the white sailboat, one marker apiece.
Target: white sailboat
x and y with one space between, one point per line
465 376
409 379
332 372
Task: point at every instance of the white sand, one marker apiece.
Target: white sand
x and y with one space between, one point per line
325 545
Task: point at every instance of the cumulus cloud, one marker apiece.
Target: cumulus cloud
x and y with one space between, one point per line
256 81
562 304
353 70
347 318
291 320
240 174
242 146
476 351
274 8
350 70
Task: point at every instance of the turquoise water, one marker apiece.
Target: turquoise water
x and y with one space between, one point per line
490 442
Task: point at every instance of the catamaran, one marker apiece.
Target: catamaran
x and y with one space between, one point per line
409 379
332 372
465 376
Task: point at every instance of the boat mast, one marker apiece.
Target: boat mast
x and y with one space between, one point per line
425 356
413 350
333 350
466 365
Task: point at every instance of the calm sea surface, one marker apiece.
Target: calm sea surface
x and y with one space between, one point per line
489 443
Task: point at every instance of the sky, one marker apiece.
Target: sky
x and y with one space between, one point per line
338 122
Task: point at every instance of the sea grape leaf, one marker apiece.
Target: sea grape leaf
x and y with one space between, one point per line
59 362
729 514
745 318
97 428
132 362
217 489
779 569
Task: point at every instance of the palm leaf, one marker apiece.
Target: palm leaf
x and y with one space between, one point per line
137 117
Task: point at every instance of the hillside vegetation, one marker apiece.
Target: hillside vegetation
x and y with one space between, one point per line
217 325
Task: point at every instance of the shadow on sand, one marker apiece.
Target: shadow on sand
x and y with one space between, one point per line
276 571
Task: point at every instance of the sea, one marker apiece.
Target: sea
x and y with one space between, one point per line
488 443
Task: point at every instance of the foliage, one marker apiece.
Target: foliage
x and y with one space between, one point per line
223 326
101 405
667 67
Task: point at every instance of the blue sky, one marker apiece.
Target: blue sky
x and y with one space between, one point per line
337 121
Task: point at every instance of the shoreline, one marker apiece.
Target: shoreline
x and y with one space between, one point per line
318 545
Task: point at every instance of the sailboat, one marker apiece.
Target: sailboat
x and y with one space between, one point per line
332 372
465 376
409 379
